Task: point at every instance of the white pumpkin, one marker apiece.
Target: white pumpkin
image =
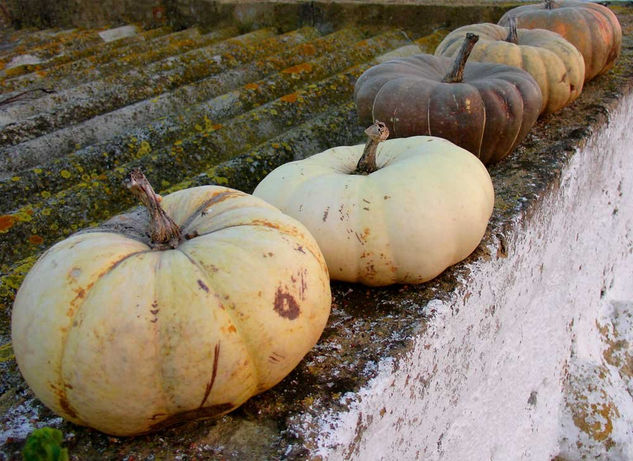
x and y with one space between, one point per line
127 336
425 208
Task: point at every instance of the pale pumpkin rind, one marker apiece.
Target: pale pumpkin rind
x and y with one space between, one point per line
424 209
556 65
125 339
592 28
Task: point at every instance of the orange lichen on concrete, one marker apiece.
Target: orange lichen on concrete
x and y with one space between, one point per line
299 68
6 223
292 97
307 49
36 240
251 86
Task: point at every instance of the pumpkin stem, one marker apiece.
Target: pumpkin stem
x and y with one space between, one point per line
376 133
163 231
513 35
549 4
456 74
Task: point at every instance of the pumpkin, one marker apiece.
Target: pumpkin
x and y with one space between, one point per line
592 28
128 333
394 211
556 65
485 108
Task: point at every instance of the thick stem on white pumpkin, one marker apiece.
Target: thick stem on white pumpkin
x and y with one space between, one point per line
549 4
456 74
376 133
513 35
163 231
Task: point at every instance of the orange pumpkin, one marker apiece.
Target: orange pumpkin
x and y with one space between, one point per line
592 28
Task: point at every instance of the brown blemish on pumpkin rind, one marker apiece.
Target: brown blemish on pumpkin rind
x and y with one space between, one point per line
214 372
203 285
285 305
63 402
63 399
216 198
276 357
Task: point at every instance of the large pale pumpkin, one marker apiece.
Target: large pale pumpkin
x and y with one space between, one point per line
556 65
592 28
424 207
126 335
486 108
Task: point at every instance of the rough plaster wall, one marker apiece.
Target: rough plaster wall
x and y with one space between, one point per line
514 367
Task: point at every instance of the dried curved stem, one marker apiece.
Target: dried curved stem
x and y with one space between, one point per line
163 231
456 74
376 133
513 35
549 4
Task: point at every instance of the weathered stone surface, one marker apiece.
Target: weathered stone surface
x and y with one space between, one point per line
522 351
282 74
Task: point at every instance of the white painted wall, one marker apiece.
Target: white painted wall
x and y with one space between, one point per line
506 363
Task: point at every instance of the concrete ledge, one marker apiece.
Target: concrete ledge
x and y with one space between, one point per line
500 371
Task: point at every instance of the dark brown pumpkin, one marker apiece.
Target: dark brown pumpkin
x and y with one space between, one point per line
592 28
487 111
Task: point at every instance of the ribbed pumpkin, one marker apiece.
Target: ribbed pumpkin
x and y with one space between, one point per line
398 212
592 28
485 108
556 65
127 334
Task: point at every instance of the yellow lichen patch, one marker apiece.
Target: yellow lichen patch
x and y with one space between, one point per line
143 149
428 43
590 403
299 68
24 215
10 283
6 353
596 420
65 174
617 353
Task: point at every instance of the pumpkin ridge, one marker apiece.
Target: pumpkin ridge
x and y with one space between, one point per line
520 130
79 302
229 193
379 208
475 90
236 323
158 342
265 224
131 236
